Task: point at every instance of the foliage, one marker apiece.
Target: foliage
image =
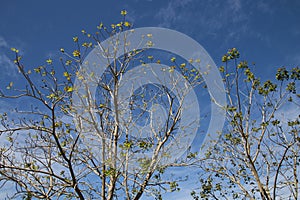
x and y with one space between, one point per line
55 149
258 153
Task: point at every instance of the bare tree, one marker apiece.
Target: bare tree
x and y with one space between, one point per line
257 156
92 129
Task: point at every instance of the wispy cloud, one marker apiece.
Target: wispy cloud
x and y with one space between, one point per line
229 20
265 7
293 60
170 14
3 43
7 67
7 190
210 17
287 112
235 4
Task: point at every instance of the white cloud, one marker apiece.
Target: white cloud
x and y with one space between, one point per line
235 4
265 7
206 18
3 43
287 112
293 60
183 194
230 19
7 190
7 68
169 14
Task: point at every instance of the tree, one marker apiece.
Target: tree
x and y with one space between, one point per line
77 132
258 153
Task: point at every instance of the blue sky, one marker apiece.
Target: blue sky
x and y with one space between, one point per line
265 32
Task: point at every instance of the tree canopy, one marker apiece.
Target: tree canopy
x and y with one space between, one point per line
115 116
